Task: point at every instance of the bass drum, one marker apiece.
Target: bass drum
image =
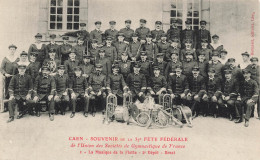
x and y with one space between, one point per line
121 114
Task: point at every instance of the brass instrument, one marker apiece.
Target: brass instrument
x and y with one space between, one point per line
110 108
119 113
166 101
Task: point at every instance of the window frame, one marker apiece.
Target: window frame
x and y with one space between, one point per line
184 16
64 16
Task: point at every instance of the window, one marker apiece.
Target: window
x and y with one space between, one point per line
64 14
183 10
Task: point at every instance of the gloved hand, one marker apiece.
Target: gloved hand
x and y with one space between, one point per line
50 97
140 94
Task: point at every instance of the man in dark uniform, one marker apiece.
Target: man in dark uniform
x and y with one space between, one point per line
125 66
203 64
52 62
70 64
230 93
197 86
20 91
150 48
112 32
81 33
254 69
188 33
188 49
142 31
174 47
248 98
216 64
157 85
87 67
65 49
160 63
137 84
146 66
97 34
170 68
79 49
213 86
93 51
110 50
127 31
116 84
188 64
203 34
34 67
163 47
44 89
135 47
79 93
205 49
178 86
97 85
121 46
157 32
105 62
174 32
61 97
53 45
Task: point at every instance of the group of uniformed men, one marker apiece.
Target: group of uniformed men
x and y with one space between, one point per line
182 63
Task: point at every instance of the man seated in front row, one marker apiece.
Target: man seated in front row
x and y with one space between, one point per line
137 84
20 91
248 99
157 85
97 86
178 86
61 97
44 89
78 91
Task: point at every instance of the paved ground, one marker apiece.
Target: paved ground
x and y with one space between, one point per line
209 139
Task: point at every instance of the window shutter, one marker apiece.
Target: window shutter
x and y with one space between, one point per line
166 6
43 16
83 11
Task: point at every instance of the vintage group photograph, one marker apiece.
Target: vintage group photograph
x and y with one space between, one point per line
129 79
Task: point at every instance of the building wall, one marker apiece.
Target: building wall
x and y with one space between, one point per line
230 19
19 24
119 10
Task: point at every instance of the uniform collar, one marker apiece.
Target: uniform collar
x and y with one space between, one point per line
45 77
178 76
21 76
72 60
211 78
247 80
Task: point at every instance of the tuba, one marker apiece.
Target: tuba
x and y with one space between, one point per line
110 108
166 101
127 100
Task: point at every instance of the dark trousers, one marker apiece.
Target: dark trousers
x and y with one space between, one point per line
244 107
7 82
50 104
80 100
23 106
95 101
61 103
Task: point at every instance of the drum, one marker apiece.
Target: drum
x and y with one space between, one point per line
121 114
